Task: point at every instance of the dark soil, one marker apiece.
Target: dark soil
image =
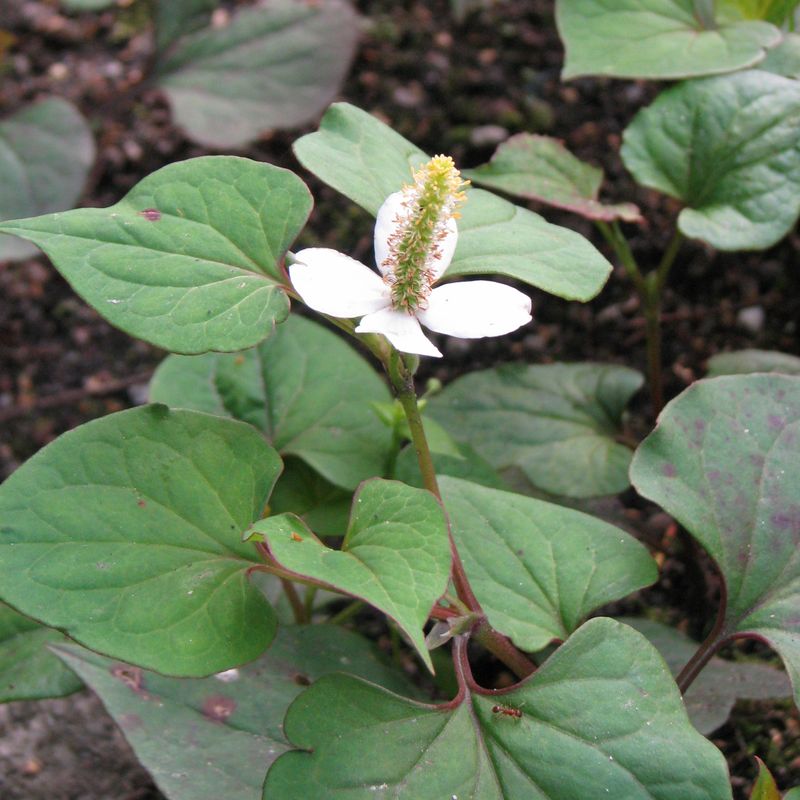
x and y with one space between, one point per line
458 87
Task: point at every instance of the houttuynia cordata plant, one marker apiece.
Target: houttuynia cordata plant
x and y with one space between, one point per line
202 553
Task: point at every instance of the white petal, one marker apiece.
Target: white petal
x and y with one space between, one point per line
335 284
447 246
475 309
385 226
401 329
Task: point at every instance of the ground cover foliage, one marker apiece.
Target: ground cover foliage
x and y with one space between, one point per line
281 580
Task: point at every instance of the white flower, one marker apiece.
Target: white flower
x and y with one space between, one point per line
415 238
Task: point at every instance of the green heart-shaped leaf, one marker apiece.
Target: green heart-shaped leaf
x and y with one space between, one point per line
395 555
366 161
601 718
656 39
723 461
212 738
784 59
306 388
46 151
275 66
27 670
190 259
729 148
539 569
558 423
126 533
541 168
710 698
746 361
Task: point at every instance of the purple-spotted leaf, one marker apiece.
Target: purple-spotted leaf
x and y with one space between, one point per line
126 533
601 718
541 168
539 569
395 554
28 671
710 698
764 788
190 259
366 160
213 738
723 461
305 387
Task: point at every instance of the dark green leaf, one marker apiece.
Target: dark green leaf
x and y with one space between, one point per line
710 698
27 670
601 718
729 148
557 423
395 555
746 361
126 533
366 161
539 569
213 738
304 387
275 66
541 168
723 461
46 151
190 259
175 18
656 39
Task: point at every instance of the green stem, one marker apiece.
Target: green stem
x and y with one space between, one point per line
650 289
403 381
298 608
347 612
706 650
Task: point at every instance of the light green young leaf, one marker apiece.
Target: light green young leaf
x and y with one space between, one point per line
729 148
305 388
126 533
558 423
275 66
746 361
539 569
190 259
395 554
601 718
213 738
541 168
664 39
46 151
366 161
764 787
710 699
723 461
775 11
27 670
